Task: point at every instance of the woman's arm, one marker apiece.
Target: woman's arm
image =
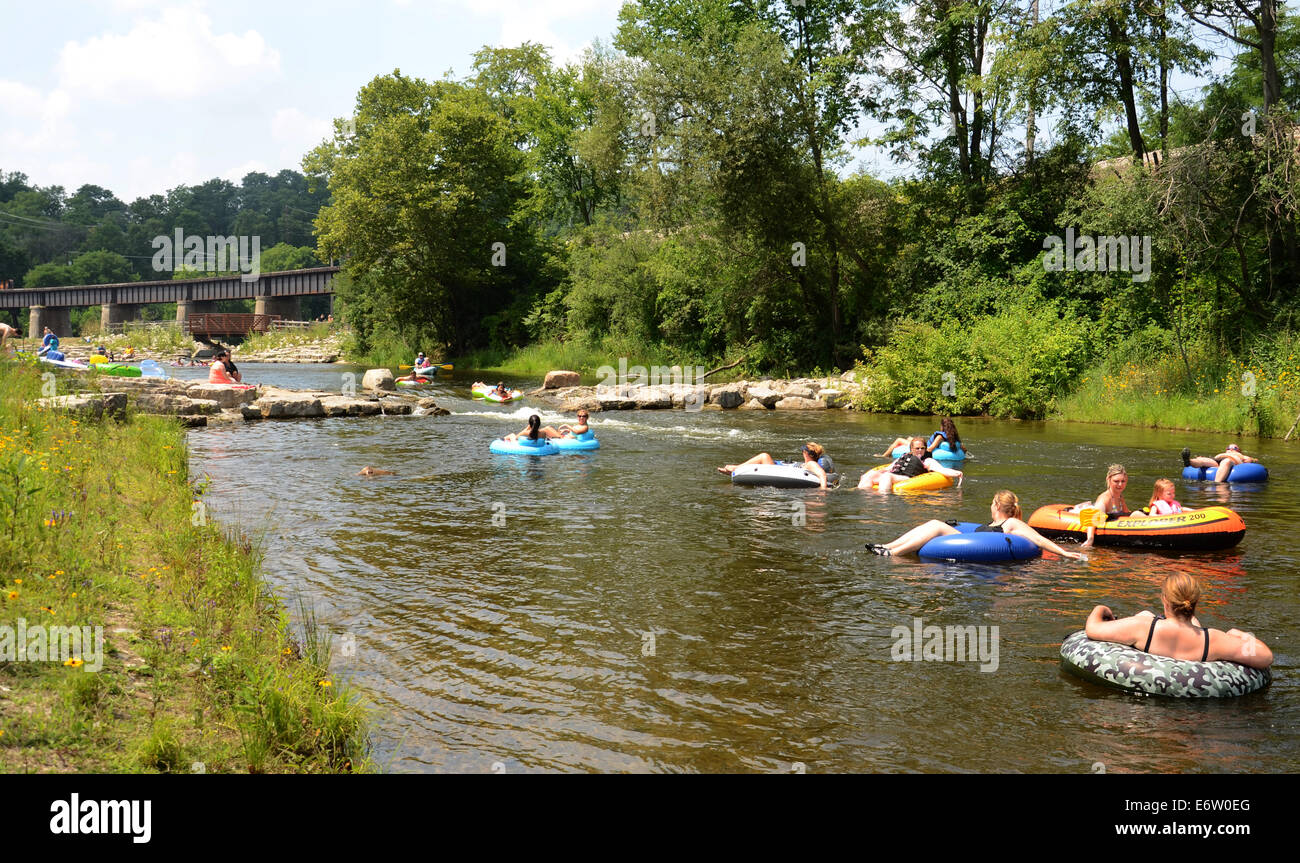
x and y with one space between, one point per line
1240 647
1019 528
814 468
1102 626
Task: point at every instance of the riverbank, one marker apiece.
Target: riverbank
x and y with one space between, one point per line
185 660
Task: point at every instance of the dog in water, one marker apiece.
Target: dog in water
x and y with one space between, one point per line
374 471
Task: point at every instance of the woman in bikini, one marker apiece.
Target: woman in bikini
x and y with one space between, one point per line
1177 633
1005 511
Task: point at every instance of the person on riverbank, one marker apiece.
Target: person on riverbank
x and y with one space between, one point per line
1111 501
534 431
7 332
1162 499
578 428
911 464
1224 461
223 370
1006 518
1177 633
815 461
49 342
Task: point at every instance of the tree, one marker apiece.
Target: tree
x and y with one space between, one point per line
101 268
49 276
283 256
426 203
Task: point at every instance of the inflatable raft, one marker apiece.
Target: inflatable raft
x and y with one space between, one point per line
780 475
1209 529
943 454
119 370
489 394
1133 670
984 547
1251 471
584 442
65 364
928 481
523 446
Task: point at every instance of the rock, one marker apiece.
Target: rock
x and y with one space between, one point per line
727 396
222 394
834 398
792 389
348 406
560 378
764 395
193 422
849 377
795 403
753 405
164 403
614 402
652 398
378 379
688 396
574 404
92 404
276 403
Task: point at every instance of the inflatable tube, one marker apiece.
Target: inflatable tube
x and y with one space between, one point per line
780 475
1133 670
98 358
66 364
1251 471
489 394
1209 529
119 370
943 454
151 369
406 383
928 481
985 547
582 443
522 447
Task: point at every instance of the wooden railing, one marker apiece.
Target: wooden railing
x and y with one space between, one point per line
228 324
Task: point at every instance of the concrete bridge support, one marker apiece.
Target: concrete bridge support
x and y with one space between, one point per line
57 319
185 308
289 308
117 313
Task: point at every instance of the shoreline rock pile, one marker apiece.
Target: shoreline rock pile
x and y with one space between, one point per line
799 394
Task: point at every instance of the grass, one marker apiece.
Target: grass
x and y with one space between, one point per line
320 334
100 526
1256 396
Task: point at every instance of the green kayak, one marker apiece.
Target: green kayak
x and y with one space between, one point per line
121 370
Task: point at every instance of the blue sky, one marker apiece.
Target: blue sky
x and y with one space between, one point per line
140 96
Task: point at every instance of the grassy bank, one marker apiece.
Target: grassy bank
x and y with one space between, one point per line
1255 396
200 664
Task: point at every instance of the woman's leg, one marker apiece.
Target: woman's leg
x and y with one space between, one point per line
761 458
869 479
1225 468
1202 461
898 441
919 536
888 479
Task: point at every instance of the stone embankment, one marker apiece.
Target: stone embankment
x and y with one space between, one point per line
200 404
799 394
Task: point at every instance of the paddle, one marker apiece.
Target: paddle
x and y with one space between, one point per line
1089 516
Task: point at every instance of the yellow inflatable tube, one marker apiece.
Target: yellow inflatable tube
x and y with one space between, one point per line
929 481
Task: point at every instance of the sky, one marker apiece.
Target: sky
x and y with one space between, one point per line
140 96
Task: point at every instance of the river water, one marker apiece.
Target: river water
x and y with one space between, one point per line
631 610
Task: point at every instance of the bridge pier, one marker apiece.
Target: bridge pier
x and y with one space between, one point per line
116 313
288 308
185 308
56 318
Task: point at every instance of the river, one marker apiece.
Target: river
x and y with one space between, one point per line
630 610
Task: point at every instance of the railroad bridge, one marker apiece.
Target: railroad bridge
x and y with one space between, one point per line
275 295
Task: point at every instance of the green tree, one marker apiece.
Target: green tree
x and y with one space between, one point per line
101 268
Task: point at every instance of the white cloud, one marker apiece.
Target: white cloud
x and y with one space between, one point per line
536 20
296 133
173 56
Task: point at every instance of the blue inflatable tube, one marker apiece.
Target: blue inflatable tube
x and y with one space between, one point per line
971 547
1251 471
582 443
523 446
943 454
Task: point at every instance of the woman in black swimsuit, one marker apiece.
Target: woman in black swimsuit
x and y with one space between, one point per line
1006 519
1177 633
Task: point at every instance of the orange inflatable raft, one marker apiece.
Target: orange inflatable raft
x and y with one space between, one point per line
1208 529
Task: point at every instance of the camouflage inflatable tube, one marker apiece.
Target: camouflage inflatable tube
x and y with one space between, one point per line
1134 671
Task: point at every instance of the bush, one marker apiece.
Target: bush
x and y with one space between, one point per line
1012 364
